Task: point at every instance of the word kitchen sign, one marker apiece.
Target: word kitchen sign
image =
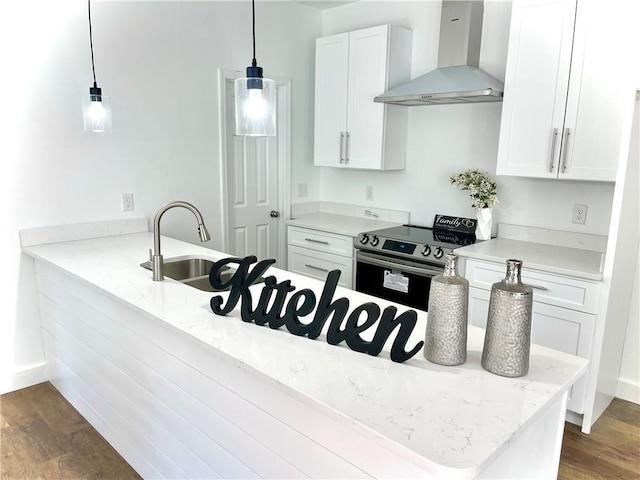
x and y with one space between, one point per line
274 310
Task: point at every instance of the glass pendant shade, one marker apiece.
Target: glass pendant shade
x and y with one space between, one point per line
96 111
255 107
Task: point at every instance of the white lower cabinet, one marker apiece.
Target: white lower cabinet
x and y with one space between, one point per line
315 253
563 316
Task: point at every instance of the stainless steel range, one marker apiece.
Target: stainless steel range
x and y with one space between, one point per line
398 263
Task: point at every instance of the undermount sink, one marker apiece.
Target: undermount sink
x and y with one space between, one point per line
185 268
194 271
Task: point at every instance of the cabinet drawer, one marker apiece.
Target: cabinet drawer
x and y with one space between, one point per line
558 290
557 328
321 241
317 264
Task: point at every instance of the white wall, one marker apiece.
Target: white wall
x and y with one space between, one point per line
158 61
447 139
629 378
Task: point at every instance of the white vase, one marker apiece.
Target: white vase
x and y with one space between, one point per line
483 228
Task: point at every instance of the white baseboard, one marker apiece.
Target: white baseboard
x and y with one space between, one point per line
573 417
24 378
628 390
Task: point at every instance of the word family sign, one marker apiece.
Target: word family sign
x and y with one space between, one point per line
455 224
276 310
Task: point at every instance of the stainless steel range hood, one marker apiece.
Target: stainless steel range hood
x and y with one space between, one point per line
457 78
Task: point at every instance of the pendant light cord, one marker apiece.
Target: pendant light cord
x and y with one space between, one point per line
253 14
93 66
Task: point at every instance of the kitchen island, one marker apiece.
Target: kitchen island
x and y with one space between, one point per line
183 393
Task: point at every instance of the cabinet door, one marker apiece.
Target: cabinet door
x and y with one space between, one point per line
368 54
600 92
536 83
553 327
332 63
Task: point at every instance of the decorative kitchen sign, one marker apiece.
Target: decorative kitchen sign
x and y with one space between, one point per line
273 310
455 224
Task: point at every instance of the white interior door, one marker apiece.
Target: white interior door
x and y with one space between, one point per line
254 201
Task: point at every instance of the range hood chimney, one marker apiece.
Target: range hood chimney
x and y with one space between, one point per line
457 78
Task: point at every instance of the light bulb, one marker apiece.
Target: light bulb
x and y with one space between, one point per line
255 107
96 111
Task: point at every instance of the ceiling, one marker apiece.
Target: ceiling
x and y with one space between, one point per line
324 4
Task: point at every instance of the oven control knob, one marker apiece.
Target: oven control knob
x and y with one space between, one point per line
364 239
426 251
374 241
439 253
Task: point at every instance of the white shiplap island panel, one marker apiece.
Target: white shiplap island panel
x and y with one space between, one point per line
183 393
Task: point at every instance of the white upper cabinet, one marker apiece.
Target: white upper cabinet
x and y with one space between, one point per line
563 101
351 131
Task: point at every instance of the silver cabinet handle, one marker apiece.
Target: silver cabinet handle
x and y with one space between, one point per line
565 148
347 152
313 240
554 137
537 287
341 147
313 267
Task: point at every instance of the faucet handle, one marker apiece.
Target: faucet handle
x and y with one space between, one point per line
151 257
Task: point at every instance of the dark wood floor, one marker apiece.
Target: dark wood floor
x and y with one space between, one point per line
610 451
44 437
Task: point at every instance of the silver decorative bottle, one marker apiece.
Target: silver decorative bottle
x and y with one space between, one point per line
446 336
507 340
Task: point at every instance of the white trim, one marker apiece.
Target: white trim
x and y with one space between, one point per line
284 166
223 75
284 158
81 231
24 377
628 390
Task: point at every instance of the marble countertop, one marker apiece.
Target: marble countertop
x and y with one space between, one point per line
340 224
586 264
452 421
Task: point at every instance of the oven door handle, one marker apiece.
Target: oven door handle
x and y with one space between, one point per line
394 265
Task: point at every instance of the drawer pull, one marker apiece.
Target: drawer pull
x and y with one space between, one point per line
313 240
313 267
537 287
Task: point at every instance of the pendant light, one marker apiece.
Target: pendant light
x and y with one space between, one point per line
96 107
255 98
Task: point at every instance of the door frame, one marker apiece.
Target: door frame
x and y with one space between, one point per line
284 158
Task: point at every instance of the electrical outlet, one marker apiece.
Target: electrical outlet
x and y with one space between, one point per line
303 189
369 193
579 214
127 202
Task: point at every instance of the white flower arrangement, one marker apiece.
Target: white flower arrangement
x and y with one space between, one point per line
482 189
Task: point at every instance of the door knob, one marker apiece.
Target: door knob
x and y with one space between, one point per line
274 214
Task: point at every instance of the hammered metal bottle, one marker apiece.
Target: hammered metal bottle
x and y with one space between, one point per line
507 340
446 336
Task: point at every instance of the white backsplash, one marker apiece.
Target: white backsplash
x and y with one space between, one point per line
582 241
81 231
372 213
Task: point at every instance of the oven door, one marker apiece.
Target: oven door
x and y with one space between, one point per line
395 279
